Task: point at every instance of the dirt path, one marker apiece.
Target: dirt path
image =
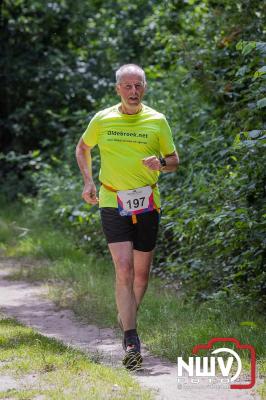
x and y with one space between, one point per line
27 303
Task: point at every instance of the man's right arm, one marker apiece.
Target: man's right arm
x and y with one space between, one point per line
83 155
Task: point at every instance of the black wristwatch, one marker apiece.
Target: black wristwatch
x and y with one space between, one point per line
162 161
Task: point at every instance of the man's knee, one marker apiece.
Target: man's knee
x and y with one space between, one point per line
124 270
122 261
141 279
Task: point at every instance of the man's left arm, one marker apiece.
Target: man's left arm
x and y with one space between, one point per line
169 163
170 159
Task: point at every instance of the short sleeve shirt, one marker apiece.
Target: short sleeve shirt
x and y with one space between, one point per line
124 140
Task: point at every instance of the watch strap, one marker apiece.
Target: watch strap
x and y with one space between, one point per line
162 161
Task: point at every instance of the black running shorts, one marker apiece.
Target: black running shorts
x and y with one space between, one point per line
143 234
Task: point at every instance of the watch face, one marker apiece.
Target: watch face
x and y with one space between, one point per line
163 162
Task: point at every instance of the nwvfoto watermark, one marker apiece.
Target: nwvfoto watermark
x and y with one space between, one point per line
209 367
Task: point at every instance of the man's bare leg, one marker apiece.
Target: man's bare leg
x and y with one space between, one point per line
132 269
122 254
142 266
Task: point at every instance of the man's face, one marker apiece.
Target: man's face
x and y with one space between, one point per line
131 89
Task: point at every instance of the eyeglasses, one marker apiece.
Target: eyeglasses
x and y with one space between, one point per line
129 86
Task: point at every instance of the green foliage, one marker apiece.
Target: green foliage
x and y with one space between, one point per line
59 200
17 172
205 63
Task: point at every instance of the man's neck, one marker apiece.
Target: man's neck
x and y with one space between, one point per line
124 110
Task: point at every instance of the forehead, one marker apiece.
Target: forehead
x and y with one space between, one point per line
129 77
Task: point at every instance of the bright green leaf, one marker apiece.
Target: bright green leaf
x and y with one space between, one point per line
248 323
247 47
260 72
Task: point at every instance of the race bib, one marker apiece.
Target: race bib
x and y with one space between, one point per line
135 201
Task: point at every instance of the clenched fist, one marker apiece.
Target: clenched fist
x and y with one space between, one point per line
152 162
89 193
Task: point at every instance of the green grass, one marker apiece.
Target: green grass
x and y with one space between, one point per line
59 372
169 326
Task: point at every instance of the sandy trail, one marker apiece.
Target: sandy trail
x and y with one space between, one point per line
28 303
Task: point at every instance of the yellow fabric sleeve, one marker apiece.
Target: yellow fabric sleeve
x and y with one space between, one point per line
167 145
90 136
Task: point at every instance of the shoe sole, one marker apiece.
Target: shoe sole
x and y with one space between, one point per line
132 360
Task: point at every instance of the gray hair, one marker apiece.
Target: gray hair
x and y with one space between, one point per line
129 68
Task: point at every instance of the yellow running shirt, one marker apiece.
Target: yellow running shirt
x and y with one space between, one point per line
124 140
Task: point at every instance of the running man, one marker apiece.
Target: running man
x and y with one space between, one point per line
135 144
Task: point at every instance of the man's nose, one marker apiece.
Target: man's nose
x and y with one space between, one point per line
133 89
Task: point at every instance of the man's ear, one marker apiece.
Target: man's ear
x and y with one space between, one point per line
117 90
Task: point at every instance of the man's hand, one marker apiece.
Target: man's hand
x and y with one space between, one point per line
152 162
89 193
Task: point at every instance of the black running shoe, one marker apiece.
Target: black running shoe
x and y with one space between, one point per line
132 359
